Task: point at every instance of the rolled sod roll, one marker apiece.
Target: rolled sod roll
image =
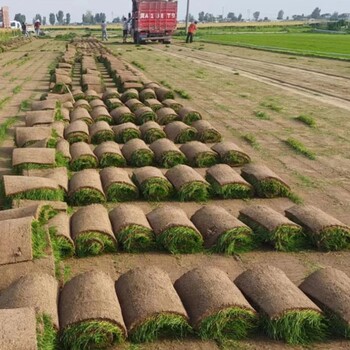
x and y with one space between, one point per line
154 104
43 105
174 230
89 82
91 94
90 314
134 104
167 154
274 228
84 104
109 154
101 114
81 114
150 84
85 188
137 153
222 232
190 185
216 307
171 103
206 132
101 132
129 95
122 115
18 329
82 157
153 311
132 229
144 114
63 113
117 185
77 132
96 104
147 94
32 187
189 115
25 136
114 103
110 93
164 93
266 183
59 230
286 312
36 211
78 94
153 185
92 231
199 154
325 231
226 183
35 118
58 129
179 132
151 131
63 151
231 154
36 290
329 288
126 132
51 207
166 115
26 158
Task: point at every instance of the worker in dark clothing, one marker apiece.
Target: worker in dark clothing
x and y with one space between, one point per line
191 31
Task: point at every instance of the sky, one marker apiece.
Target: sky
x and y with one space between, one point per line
112 9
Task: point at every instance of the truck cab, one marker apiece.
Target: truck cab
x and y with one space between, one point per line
154 20
15 25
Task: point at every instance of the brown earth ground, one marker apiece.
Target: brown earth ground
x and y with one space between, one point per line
227 90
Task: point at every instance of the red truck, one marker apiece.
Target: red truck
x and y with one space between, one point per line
153 20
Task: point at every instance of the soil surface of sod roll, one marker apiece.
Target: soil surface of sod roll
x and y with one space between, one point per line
325 231
92 231
137 153
227 184
286 312
100 132
151 307
43 105
164 94
189 115
179 132
153 185
81 114
62 147
85 188
28 135
131 228
117 185
18 329
38 290
82 157
35 118
77 132
122 115
206 132
221 231
33 210
97 104
90 314
81 103
109 154
134 104
152 131
166 115
199 154
126 132
26 158
101 113
329 288
189 184
266 183
167 154
216 307
174 230
274 228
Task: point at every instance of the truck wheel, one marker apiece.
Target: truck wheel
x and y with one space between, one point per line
167 42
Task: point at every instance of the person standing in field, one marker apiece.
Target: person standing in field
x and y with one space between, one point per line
104 31
191 31
125 29
37 27
24 29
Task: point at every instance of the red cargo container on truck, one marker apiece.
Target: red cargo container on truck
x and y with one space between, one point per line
153 20
4 17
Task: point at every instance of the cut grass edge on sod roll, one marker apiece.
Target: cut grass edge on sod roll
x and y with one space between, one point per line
206 159
156 189
84 162
39 240
194 191
112 159
141 158
86 196
136 239
186 135
234 158
46 334
93 244
172 158
153 135
127 135
77 137
61 246
102 136
122 192
332 239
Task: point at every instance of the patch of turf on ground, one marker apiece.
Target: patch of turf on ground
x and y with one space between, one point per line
307 120
300 148
39 240
46 334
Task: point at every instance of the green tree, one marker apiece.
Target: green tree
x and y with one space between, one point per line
231 16
67 18
88 17
52 18
37 17
201 16
190 18
60 17
20 18
239 18
316 13
44 21
280 14
256 15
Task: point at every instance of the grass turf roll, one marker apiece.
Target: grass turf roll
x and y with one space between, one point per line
122 115
171 103
167 154
109 154
126 132
326 232
179 132
153 185
137 153
199 154
144 114
81 114
286 312
231 154
101 132
27 135
227 184
87 320
166 115
110 93
189 184
63 151
82 103
222 232
92 232
154 311
77 131
174 231
164 94
132 229
189 115
216 307
82 157
274 228
147 94
154 104
266 183
134 104
118 185
114 103
129 94
151 131
96 104
100 113
206 132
